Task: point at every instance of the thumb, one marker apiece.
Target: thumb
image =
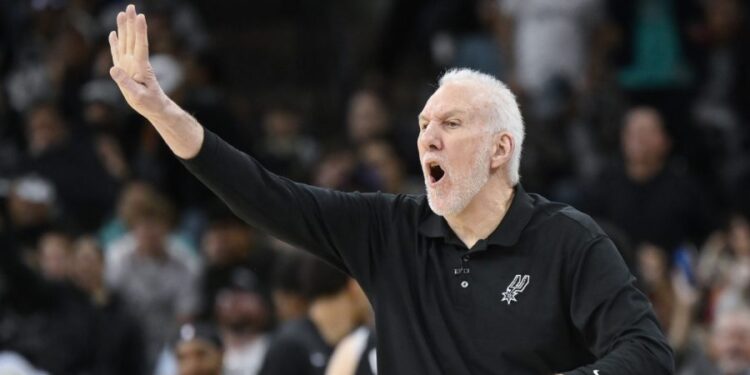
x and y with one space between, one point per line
125 83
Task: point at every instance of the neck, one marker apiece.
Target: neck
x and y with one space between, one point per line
333 317
484 213
643 171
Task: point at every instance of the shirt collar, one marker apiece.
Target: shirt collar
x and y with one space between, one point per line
506 234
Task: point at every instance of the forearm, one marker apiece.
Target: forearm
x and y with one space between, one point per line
180 131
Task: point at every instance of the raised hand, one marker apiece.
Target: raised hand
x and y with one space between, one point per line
132 71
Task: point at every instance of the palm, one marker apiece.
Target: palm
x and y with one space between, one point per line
132 71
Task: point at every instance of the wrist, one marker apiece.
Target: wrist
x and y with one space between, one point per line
169 115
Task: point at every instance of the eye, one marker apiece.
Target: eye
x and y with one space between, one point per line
422 126
453 124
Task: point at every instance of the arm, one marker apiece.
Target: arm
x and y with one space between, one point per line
614 318
136 79
336 226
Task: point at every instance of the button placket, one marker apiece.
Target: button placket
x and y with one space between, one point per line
465 272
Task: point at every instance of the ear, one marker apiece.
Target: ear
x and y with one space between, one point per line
503 145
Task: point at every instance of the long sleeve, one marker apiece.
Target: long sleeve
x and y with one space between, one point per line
339 227
614 318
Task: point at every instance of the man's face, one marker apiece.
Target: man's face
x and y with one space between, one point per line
731 342
241 310
227 243
88 267
198 357
455 146
643 138
55 256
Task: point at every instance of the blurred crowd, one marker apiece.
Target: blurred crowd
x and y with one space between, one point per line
115 260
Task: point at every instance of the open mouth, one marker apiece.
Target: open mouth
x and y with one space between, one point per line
436 172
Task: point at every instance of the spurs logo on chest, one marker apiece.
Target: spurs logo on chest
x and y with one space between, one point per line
516 286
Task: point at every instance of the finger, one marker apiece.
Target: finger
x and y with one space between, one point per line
141 39
122 33
113 47
130 13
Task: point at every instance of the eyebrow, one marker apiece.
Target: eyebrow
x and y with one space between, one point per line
448 114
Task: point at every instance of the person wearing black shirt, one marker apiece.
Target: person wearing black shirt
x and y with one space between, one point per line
476 277
651 200
304 346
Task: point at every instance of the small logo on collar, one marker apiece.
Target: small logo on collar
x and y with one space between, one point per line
516 286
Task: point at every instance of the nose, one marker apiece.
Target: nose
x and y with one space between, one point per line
429 138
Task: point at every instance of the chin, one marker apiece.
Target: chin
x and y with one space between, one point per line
443 206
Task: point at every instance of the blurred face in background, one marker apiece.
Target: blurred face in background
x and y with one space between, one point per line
454 147
88 265
644 140
44 130
242 311
198 357
367 117
730 342
151 235
30 203
55 256
381 157
739 236
227 243
652 264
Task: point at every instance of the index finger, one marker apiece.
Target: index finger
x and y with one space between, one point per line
141 39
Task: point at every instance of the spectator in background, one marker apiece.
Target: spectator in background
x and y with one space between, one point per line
727 349
46 322
288 300
367 117
120 344
199 350
724 83
724 265
337 307
156 276
31 209
52 149
243 313
132 197
647 197
55 252
229 246
284 148
386 168
550 39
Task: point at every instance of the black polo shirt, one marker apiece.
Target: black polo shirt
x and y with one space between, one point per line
546 292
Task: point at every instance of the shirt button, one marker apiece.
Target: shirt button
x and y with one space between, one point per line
466 258
464 284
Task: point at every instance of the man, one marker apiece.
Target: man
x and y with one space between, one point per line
477 277
157 278
199 350
243 314
229 245
120 343
656 202
338 306
727 350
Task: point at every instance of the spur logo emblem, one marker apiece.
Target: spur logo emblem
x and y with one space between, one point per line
516 286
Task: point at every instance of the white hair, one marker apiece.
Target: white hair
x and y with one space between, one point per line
503 115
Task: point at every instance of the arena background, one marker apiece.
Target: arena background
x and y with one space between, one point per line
636 112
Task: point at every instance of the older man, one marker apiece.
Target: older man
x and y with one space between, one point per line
478 277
